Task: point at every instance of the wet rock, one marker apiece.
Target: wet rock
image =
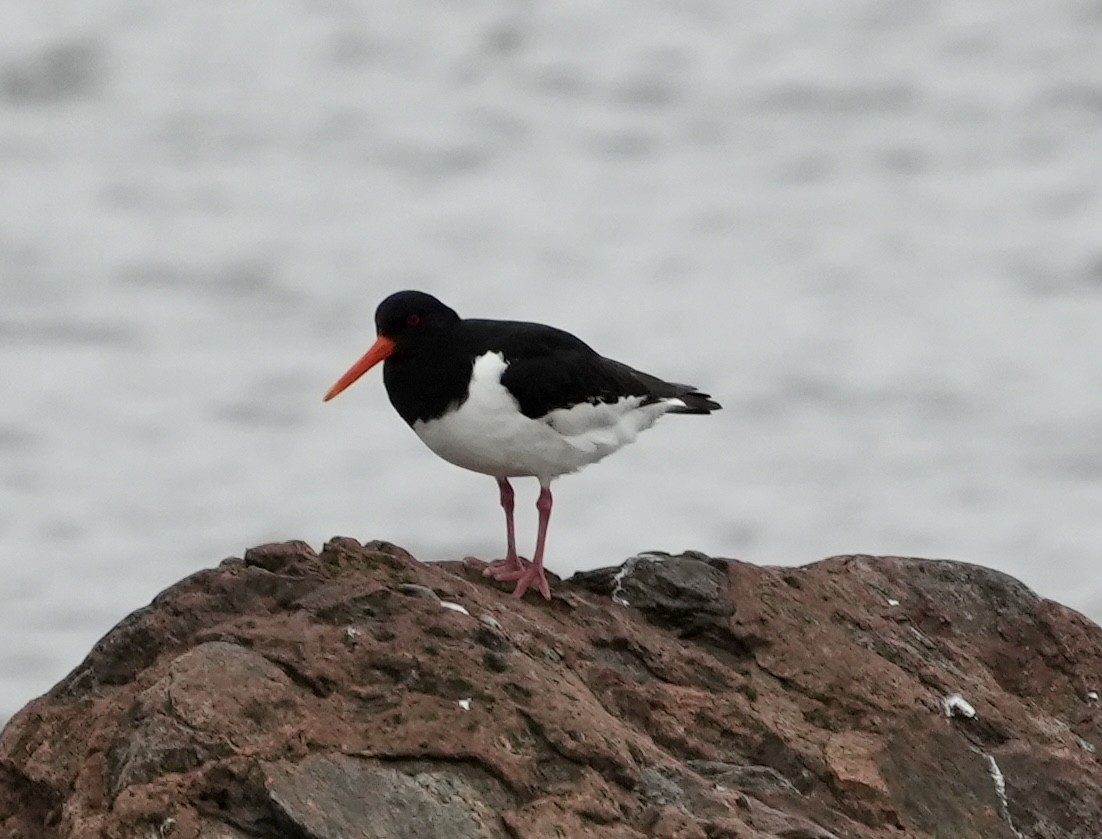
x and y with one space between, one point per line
690 589
333 694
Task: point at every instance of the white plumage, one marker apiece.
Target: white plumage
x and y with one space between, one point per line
489 434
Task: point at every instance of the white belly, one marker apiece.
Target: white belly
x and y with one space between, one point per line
489 434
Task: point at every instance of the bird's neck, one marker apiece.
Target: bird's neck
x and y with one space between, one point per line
425 379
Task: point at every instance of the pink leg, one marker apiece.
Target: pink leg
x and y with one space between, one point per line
510 531
533 574
512 563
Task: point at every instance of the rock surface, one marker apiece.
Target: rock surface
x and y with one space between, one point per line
359 693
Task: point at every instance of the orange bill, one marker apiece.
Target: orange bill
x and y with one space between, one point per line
380 350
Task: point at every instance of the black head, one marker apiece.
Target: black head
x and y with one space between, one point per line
402 322
406 314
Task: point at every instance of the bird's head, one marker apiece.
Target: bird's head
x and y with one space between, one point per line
404 318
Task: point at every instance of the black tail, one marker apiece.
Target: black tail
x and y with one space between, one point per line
695 402
656 390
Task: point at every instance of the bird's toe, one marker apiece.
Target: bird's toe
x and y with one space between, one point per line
533 575
506 569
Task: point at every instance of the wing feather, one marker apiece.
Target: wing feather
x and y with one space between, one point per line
550 369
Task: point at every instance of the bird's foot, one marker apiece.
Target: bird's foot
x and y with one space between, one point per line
531 575
514 565
498 569
518 569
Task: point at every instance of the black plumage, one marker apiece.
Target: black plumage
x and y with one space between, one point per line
430 369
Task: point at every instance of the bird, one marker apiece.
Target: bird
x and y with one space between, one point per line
511 399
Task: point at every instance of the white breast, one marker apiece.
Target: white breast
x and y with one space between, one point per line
489 434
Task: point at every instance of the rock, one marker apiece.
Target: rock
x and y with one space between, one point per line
359 693
334 796
684 589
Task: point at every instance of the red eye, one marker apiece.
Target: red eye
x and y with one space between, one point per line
413 320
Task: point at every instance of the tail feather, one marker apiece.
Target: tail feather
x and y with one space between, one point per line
657 390
696 403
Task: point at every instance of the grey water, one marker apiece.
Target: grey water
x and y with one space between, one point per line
873 230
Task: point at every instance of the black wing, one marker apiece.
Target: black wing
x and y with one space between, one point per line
550 369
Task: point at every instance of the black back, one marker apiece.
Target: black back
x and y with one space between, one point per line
430 369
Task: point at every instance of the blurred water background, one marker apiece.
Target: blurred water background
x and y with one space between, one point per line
873 230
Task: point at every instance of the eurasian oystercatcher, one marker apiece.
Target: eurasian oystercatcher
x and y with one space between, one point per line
511 399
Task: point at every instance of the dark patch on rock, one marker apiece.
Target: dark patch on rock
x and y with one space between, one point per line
688 591
495 662
491 640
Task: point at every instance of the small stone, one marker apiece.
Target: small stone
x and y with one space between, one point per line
956 705
414 590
